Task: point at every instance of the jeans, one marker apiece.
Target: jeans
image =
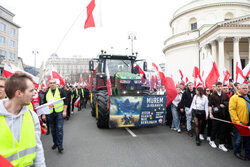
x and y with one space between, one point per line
176 118
237 143
188 117
56 125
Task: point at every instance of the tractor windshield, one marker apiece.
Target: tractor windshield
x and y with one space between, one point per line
115 66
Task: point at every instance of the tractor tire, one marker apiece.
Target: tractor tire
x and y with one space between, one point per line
103 113
93 111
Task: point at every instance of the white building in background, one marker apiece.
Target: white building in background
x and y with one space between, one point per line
8 39
219 27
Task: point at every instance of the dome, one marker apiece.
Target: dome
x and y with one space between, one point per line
198 4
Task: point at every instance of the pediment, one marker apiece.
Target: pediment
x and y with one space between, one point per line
240 21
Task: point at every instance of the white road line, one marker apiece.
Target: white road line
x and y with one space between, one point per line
130 132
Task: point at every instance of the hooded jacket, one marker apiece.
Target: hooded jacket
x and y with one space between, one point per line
15 122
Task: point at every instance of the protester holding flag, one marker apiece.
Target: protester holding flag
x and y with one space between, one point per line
175 113
218 103
185 103
239 109
57 113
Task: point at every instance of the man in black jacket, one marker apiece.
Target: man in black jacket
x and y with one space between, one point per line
185 104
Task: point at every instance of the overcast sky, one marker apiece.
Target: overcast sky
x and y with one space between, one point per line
45 22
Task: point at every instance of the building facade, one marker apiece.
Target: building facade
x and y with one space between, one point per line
203 27
69 68
8 38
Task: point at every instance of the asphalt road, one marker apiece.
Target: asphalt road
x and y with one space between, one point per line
87 146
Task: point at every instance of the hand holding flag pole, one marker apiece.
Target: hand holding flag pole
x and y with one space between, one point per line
243 129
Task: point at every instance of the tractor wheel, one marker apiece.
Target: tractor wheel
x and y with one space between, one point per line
103 113
93 111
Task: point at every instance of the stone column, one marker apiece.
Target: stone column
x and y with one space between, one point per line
236 53
221 54
248 50
214 51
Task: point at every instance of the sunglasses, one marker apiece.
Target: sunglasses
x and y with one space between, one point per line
52 82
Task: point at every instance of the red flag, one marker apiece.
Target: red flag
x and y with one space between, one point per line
109 86
246 70
170 87
7 71
156 67
140 70
226 76
183 78
243 129
80 79
93 14
197 77
211 73
54 75
4 162
240 78
77 102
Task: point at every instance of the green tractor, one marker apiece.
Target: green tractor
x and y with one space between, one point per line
125 80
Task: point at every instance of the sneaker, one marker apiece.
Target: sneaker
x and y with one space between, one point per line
72 112
222 147
201 137
209 139
60 149
212 144
173 129
179 131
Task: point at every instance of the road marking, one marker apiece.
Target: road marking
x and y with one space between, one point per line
130 132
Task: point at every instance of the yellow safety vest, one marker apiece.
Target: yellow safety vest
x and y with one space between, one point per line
30 106
21 153
58 106
82 92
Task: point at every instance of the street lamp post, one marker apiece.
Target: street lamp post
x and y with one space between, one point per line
132 37
35 52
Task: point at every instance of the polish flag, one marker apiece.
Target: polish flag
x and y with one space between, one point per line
55 75
240 78
159 74
183 78
34 78
155 66
211 73
77 102
7 71
80 79
246 70
170 87
44 84
227 75
93 14
197 77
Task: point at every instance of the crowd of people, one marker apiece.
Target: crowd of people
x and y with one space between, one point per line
206 113
198 110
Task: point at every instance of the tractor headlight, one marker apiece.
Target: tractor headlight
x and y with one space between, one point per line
137 81
124 92
122 81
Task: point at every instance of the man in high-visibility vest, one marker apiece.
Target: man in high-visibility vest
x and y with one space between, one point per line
20 128
57 113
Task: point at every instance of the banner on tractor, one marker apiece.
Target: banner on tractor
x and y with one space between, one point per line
135 111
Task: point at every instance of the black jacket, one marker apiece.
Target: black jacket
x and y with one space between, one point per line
187 98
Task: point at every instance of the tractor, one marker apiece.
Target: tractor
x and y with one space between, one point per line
126 81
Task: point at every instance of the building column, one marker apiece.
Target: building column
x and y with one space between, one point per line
214 51
221 54
236 53
248 50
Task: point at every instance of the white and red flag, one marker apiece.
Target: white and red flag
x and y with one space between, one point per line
197 77
55 75
211 72
246 70
109 86
183 77
226 76
240 78
94 18
80 79
44 84
77 102
7 71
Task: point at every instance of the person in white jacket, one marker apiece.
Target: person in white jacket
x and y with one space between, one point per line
199 110
20 128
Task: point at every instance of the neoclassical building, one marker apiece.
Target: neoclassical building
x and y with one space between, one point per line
202 27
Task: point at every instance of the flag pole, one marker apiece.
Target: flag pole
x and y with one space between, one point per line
222 120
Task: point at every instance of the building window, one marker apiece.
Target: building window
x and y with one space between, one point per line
228 16
2 27
193 23
2 53
12 31
12 43
2 40
12 57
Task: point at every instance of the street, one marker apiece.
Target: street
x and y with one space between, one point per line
87 146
